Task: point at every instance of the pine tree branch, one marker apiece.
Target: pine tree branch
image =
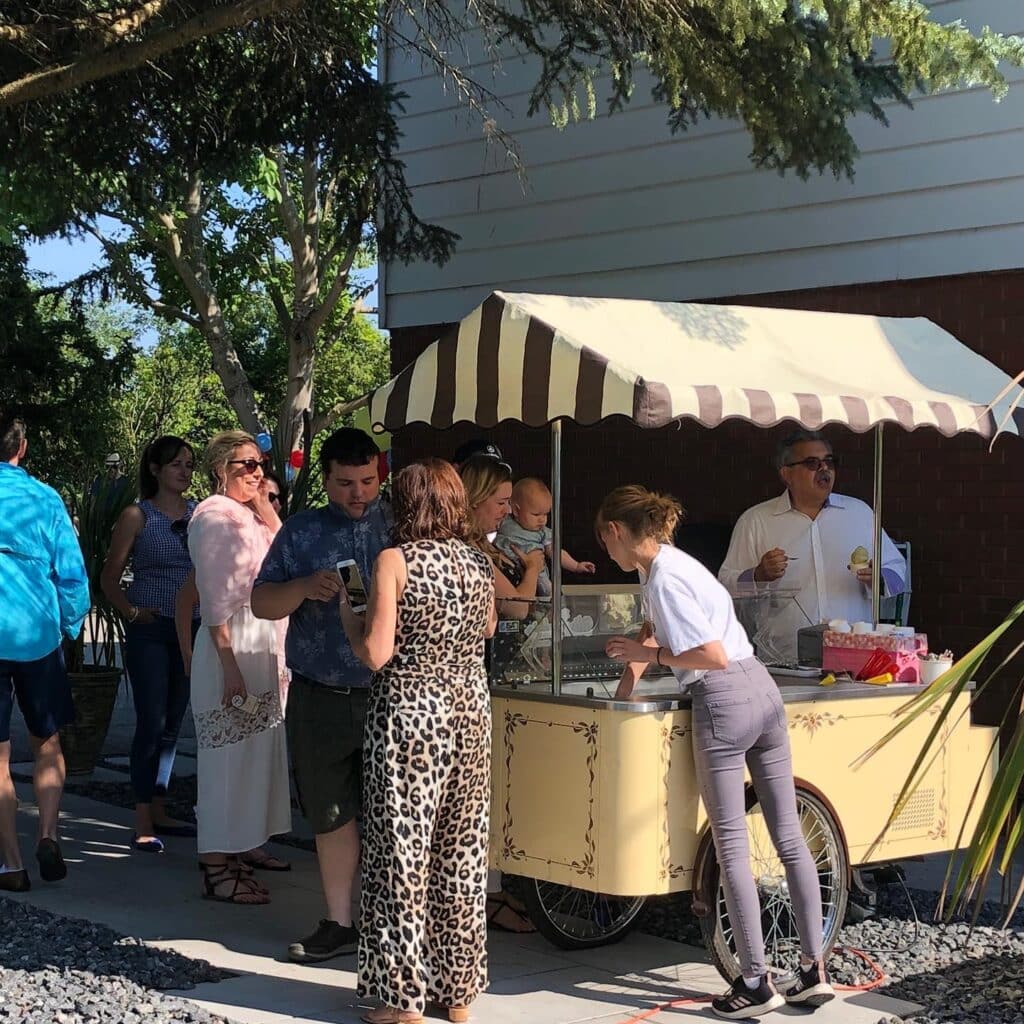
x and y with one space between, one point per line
114 59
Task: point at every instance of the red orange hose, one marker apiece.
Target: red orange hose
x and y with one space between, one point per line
878 980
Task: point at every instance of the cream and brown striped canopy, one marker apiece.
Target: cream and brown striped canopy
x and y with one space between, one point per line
537 358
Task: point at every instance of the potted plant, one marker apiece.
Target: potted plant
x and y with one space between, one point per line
93 658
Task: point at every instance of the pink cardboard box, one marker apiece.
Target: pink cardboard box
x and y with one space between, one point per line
849 652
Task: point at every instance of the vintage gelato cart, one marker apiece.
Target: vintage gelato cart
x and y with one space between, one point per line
595 803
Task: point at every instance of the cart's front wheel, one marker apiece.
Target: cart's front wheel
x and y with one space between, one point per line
778 919
577 918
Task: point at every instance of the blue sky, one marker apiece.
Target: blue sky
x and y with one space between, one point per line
63 259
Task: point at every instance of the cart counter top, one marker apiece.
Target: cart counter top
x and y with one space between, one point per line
656 695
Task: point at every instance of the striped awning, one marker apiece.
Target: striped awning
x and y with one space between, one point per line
537 358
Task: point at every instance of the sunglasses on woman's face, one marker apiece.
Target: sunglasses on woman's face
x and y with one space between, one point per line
274 496
251 465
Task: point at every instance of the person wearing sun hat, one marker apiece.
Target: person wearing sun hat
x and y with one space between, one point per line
112 481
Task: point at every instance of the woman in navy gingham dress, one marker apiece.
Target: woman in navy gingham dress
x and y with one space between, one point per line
152 533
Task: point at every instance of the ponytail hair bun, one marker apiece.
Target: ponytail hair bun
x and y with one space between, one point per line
644 513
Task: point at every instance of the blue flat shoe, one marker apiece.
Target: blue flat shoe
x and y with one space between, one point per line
176 831
146 845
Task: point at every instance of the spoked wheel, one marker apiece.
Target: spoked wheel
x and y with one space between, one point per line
778 920
577 918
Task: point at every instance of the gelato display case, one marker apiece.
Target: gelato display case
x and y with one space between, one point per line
772 616
521 654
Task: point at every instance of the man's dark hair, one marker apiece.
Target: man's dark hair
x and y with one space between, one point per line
347 447
12 433
784 455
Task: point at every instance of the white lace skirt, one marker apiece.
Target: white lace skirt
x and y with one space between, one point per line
242 758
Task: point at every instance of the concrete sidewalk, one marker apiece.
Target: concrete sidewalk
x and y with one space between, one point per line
156 898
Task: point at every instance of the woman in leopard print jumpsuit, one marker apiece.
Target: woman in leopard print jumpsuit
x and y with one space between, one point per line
426 756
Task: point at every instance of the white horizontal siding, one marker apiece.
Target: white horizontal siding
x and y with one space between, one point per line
619 206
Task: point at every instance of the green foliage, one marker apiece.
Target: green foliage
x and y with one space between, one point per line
172 390
99 507
63 376
793 73
233 187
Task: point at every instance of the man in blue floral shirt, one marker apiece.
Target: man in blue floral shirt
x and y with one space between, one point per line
329 687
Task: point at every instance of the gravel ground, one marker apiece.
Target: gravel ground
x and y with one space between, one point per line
960 976
62 970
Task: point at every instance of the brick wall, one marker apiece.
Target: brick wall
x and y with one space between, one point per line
958 504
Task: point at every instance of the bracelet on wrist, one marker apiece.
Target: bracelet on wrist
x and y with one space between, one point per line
657 657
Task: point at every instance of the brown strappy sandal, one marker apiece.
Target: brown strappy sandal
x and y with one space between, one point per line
244 892
455 1014
390 1015
233 863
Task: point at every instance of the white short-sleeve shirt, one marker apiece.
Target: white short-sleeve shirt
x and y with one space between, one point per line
689 607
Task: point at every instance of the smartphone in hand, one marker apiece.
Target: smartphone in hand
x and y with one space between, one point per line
352 581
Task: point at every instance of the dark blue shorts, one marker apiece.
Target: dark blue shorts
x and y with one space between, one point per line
43 692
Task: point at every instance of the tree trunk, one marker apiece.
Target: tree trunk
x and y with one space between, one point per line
295 414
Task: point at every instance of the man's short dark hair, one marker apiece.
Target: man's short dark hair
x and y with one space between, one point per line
12 433
784 455
347 447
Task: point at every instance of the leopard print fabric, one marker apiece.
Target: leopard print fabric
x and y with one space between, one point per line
426 789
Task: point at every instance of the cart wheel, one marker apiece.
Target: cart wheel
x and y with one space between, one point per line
781 939
577 918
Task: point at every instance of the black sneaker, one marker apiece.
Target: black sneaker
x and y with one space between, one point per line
51 862
741 1002
812 987
330 939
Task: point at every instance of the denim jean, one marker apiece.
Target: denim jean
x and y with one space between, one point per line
739 719
160 690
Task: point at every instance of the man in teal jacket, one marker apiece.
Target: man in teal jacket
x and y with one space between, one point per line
44 597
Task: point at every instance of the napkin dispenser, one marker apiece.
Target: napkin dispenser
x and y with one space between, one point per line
809 645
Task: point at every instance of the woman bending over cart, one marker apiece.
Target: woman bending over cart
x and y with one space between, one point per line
738 719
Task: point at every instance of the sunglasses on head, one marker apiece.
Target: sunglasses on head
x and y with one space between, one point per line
251 465
180 530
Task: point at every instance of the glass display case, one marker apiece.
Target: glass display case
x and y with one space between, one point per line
521 650
772 615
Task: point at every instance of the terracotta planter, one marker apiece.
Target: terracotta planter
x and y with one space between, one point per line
94 690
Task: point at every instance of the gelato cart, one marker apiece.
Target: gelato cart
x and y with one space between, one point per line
595 802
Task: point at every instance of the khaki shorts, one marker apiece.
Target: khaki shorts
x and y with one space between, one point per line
325 737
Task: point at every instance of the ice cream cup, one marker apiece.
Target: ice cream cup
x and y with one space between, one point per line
931 670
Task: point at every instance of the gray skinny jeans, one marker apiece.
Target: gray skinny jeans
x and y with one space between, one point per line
739 718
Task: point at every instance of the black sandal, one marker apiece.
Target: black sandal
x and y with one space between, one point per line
244 892
268 862
234 863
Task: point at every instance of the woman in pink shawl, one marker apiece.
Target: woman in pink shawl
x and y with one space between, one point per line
243 761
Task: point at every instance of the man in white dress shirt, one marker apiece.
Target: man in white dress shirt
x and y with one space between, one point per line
801 543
